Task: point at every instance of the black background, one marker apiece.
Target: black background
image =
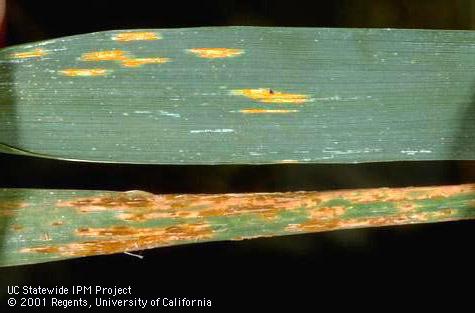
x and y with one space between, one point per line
383 267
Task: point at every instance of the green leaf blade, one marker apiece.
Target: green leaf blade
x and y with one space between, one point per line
368 95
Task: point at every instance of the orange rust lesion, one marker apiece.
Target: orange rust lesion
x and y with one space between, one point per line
12 205
407 206
84 72
397 195
327 213
109 55
177 232
318 224
42 249
265 111
141 61
57 223
36 53
116 201
288 161
136 36
125 59
203 206
141 206
215 53
264 211
8 213
17 227
10 208
124 238
267 95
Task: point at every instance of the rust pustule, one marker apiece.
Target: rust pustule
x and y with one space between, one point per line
123 238
194 206
16 227
317 223
137 62
139 206
7 212
407 206
120 201
215 53
288 161
74 72
136 36
9 205
181 231
365 196
267 111
268 95
109 55
29 54
43 249
327 213
125 59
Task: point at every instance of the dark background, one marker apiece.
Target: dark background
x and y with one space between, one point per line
426 264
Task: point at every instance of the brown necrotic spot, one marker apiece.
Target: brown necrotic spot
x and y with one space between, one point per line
136 36
267 95
215 53
73 72
29 54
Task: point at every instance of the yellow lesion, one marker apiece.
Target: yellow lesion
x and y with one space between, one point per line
264 111
125 59
289 161
268 95
111 55
29 54
135 36
214 53
141 61
84 72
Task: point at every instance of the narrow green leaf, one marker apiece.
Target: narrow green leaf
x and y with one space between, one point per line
48 225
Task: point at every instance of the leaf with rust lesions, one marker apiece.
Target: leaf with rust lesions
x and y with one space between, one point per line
61 224
241 95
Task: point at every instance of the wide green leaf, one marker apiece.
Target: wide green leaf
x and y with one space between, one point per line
241 95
